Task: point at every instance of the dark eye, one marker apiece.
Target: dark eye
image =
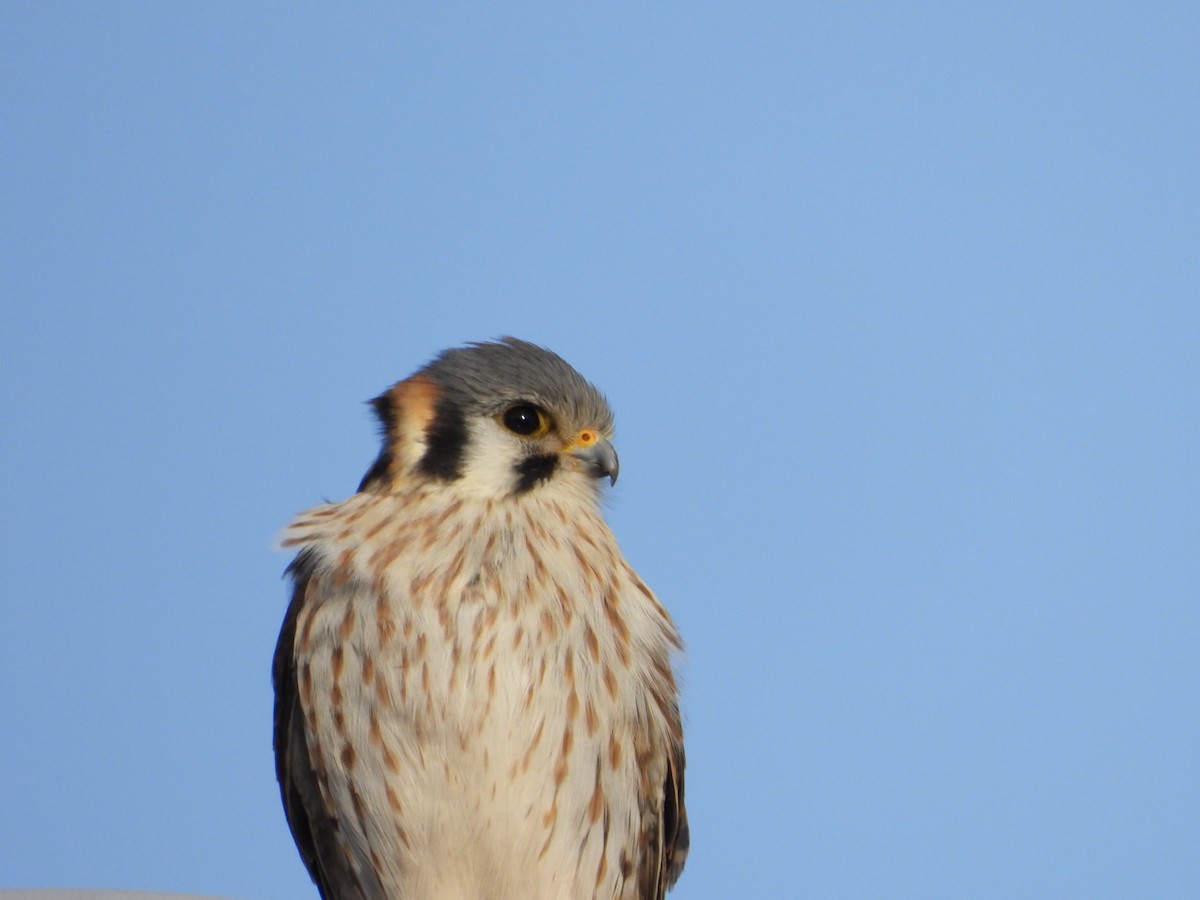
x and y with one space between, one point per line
526 420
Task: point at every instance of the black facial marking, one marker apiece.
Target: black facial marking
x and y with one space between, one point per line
533 470
385 410
444 443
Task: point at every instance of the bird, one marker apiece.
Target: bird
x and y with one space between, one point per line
475 693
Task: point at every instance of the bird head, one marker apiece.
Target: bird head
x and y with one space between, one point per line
497 419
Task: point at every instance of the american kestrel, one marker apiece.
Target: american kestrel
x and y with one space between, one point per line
474 697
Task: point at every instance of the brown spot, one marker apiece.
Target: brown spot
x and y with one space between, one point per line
569 665
593 644
591 576
590 717
445 514
610 604
643 755
536 527
495 589
418 585
393 800
348 756
385 625
549 626
596 805
336 661
342 570
518 637
602 868
419 648
610 682
623 653
491 681
455 656
456 570
380 585
641 586
626 865
390 760
568 740
368 670
374 735
304 644
539 567
339 718
382 693
374 530
428 536
572 705
382 559
614 751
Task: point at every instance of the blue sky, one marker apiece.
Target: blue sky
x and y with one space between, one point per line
899 310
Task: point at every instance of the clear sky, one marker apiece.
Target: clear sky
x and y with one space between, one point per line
898 307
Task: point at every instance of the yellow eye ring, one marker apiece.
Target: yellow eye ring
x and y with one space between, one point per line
526 420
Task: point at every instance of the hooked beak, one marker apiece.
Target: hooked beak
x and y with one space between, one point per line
599 459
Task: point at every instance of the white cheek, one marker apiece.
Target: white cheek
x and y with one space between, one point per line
490 458
489 468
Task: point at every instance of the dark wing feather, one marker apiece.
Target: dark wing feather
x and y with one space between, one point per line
314 828
676 836
665 840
